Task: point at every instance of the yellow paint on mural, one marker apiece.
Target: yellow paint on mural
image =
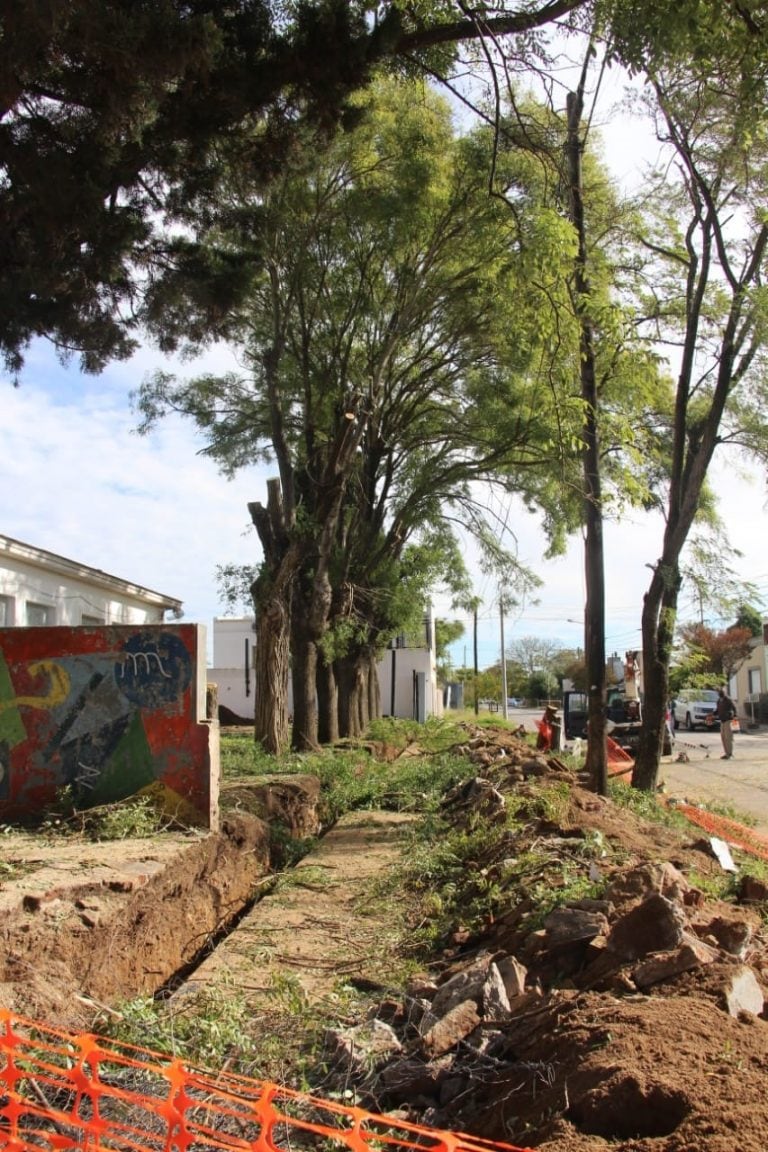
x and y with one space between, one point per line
58 688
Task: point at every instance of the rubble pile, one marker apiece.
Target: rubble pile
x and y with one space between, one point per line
633 1020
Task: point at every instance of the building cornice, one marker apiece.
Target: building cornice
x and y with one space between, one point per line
51 562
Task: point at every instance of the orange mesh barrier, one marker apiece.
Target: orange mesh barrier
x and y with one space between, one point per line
736 834
620 763
60 1091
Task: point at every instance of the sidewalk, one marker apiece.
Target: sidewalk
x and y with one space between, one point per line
740 784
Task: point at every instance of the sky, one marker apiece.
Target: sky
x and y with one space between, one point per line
79 481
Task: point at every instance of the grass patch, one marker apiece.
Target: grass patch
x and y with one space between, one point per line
646 805
352 778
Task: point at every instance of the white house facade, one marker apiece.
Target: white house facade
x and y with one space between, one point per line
41 589
407 671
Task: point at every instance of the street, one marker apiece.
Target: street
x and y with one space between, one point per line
740 783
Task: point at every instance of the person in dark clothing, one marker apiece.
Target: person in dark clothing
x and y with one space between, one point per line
725 712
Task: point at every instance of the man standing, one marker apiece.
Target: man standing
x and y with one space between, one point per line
725 712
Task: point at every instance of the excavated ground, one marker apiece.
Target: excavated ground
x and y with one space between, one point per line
619 1037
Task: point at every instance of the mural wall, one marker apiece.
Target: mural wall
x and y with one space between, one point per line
106 712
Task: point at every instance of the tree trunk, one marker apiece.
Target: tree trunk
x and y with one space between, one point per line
272 591
271 667
304 679
594 626
353 694
374 689
327 703
658 625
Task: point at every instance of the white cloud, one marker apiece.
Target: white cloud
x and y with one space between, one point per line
80 482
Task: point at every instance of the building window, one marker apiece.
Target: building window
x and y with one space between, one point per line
6 611
755 686
91 621
40 615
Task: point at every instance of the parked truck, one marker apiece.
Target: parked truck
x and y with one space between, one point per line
624 707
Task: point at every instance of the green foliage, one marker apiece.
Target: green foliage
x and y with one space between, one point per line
749 618
352 778
138 817
242 756
213 1033
119 108
646 805
464 877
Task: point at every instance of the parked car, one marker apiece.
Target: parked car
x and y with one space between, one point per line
513 702
695 708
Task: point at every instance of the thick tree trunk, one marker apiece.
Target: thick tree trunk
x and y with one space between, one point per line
271 667
658 626
349 679
272 591
304 679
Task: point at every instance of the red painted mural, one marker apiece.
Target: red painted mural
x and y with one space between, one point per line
106 713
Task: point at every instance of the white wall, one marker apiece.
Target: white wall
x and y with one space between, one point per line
228 671
68 599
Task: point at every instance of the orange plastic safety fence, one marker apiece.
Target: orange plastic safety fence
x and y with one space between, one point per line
736 834
60 1091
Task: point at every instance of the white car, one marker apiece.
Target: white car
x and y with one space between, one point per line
696 708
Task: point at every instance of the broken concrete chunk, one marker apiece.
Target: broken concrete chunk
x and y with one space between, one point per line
692 953
465 985
495 1001
733 936
673 884
744 994
752 890
573 925
655 925
513 973
451 1028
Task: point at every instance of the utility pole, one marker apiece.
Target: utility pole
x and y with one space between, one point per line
504 708
474 644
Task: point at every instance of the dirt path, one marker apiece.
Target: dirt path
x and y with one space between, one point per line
321 923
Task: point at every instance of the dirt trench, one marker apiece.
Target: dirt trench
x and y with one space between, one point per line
86 925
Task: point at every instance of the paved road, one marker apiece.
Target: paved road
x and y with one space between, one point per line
740 783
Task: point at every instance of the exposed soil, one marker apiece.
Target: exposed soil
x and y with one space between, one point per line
587 1059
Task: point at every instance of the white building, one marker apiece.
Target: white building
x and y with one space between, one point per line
39 588
407 672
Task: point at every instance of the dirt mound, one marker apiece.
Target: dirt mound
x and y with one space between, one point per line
632 1021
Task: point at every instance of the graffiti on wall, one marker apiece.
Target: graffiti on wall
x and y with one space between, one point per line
105 712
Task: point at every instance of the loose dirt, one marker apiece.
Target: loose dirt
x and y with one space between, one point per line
586 1062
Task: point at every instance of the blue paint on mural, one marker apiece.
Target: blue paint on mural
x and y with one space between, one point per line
154 670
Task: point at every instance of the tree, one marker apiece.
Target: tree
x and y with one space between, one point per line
387 332
750 619
706 287
717 655
118 106
121 105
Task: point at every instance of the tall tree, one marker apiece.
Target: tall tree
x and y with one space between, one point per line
708 291
386 331
720 653
120 105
